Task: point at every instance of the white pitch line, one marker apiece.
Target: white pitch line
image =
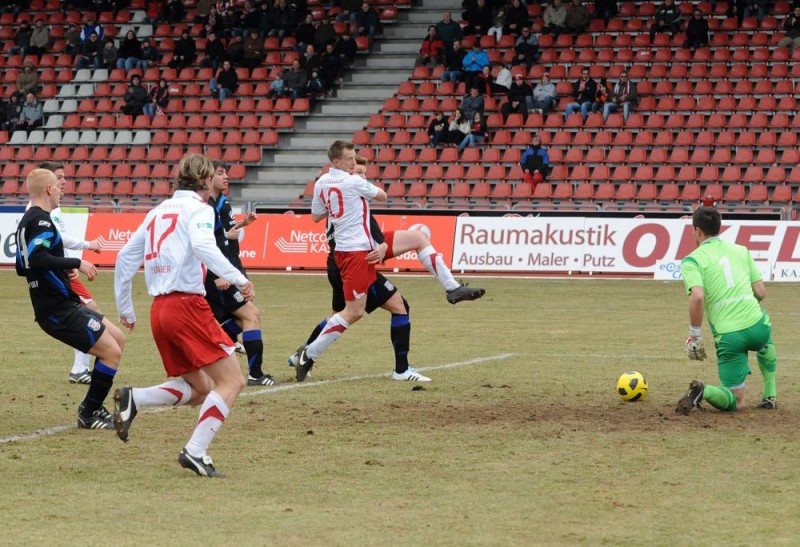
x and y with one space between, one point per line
39 433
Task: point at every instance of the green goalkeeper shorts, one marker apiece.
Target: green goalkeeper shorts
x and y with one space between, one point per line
733 348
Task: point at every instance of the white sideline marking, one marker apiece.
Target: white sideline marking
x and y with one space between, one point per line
39 433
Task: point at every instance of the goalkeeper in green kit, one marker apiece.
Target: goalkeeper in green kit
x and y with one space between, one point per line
723 282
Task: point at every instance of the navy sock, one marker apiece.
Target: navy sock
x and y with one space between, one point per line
316 332
400 334
102 380
254 347
232 329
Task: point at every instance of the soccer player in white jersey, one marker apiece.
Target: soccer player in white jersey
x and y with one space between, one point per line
344 199
80 373
176 243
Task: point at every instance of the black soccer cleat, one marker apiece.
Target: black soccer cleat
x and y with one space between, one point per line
692 398
203 465
124 411
770 403
84 377
303 365
464 292
99 419
263 380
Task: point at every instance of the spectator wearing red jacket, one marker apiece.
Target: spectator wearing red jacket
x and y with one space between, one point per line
432 51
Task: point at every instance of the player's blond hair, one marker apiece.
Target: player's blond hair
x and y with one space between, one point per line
38 180
336 150
360 160
194 170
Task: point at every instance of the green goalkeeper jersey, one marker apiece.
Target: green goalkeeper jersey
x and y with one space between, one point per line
726 272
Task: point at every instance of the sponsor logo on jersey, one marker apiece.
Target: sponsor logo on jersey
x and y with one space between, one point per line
206 225
44 223
93 324
43 242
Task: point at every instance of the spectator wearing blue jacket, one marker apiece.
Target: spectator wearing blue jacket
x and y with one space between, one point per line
473 63
535 162
91 27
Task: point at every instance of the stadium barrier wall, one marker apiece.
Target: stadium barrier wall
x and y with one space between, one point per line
512 244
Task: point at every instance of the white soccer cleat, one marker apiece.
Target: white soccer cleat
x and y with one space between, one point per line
410 375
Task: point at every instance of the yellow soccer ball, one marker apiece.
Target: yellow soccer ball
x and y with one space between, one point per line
632 386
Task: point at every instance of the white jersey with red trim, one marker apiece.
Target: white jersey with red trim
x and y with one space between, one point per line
176 243
345 198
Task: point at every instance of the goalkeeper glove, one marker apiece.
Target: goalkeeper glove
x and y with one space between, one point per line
695 349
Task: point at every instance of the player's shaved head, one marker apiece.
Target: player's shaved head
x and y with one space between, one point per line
38 180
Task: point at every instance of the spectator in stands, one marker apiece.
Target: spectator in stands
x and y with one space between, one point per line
453 63
40 39
518 97
109 54
15 7
254 50
32 115
605 9
235 51
584 92
91 52
624 95
527 48
3 114
22 39
324 34
544 96
516 18
295 81
28 79
367 23
755 8
150 55
202 10
437 130
225 82
578 18
215 52
792 28
696 31
310 60
250 17
601 96
478 17
72 40
286 18
535 162
668 19
477 132
130 52
13 112
432 51
485 81
554 17
502 84
315 86
173 12
157 100
229 22
89 27
304 34
349 10
330 66
449 31
472 102
213 22
135 97
346 48
496 29
184 53
473 64
458 128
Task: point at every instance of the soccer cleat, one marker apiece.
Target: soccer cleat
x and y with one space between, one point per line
692 398
263 380
292 361
303 364
239 348
99 419
410 375
203 465
769 403
464 292
84 377
124 411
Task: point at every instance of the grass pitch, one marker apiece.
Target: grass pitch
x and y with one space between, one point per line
519 440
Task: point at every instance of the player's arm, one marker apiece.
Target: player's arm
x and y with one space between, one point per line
129 259
201 238
756 281
319 210
695 348
759 290
367 189
37 249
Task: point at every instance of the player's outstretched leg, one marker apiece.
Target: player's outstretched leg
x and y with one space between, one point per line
400 333
108 352
768 363
128 400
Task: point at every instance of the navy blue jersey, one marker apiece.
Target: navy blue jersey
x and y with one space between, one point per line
224 220
40 259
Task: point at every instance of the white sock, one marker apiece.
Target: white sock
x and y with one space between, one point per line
81 362
173 392
334 328
434 263
212 416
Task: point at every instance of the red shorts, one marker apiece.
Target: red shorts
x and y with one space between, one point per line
389 236
80 289
357 273
186 333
